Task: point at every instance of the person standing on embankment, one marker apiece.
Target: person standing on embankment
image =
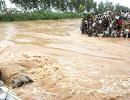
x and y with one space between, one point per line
128 24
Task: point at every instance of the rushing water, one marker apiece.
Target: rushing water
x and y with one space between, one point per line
59 34
90 65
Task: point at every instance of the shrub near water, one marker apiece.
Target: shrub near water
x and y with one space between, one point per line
38 15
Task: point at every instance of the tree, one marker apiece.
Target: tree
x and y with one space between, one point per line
2 6
109 6
101 7
60 5
27 4
75 5
89 5
122 8
46 4
81 8
66 5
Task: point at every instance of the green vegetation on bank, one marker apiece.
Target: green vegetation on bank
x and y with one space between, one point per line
43 9
38 15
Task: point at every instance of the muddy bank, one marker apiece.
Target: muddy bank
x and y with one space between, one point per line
64 64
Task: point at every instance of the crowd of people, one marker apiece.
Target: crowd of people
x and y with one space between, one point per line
110 24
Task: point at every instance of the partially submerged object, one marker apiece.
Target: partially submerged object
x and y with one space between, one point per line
12 76
20 80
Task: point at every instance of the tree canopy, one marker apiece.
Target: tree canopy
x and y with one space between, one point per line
65 5
2 6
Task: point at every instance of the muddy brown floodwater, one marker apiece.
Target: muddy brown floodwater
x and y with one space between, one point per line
64 64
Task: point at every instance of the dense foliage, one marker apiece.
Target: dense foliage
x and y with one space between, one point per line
38 15
31 8
67 5
2 6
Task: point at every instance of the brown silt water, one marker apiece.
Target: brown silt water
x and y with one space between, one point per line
64 64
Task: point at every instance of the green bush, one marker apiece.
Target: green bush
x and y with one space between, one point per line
39 15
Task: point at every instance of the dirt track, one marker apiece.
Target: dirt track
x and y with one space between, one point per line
64 64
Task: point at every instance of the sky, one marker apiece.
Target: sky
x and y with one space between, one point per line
122 2
9 5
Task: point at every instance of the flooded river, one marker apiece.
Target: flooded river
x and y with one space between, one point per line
64 64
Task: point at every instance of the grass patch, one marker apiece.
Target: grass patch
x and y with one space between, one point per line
39 15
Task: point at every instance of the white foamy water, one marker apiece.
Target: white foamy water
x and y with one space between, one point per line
5 43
